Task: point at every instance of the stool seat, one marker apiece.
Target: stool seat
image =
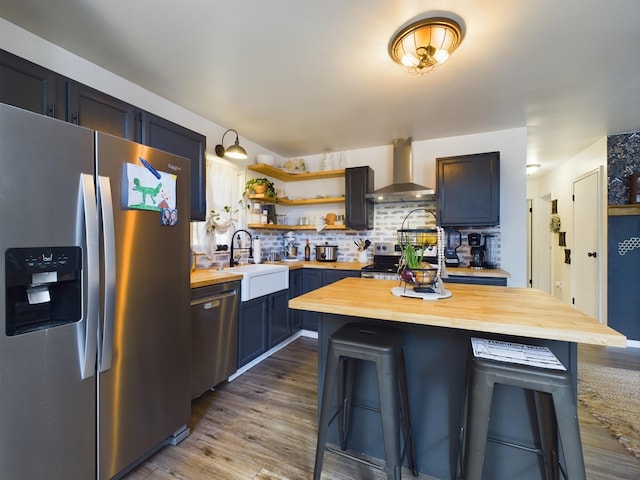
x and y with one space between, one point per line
384 347
556 412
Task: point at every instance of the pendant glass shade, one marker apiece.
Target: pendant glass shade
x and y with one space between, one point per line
425 44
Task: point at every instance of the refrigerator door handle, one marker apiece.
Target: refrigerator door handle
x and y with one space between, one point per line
109 248
88 217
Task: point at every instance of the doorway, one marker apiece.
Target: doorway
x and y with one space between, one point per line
588 250
539 261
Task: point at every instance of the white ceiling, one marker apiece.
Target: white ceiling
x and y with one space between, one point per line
307 76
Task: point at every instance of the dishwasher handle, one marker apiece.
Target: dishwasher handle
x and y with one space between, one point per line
213 301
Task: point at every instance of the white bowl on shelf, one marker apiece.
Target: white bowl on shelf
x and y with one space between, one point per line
266 159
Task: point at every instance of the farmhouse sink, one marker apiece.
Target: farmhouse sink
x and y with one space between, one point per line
261 279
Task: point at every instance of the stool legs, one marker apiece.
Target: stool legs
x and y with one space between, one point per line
325 411
564 403
345 392
556 412
479 410
546 422
404 404
382 347
388 410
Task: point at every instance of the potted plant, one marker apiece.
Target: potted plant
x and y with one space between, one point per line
259 186
220 222
415 271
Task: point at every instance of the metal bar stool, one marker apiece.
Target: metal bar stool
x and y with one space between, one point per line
555 405
383 346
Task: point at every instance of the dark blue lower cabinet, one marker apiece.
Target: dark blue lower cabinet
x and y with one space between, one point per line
295 290
278 320
262 323
312 279
623 302
252 330
497 281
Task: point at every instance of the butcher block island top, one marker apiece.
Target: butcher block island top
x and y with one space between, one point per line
521 312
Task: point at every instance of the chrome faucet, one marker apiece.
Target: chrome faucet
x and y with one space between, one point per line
232 262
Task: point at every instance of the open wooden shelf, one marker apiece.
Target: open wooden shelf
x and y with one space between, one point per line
299 202
619 210
257 226
293 177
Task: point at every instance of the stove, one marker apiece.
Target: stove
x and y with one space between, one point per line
386 259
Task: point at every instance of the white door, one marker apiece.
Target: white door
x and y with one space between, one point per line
587 252
540 243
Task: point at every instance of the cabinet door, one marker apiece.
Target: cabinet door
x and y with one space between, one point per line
496 281
29 86
468 190
358 210
312 279
295 289
170 137
278 318
252 330
623 267
99 111
331 276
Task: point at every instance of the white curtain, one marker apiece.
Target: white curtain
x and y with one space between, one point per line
225 184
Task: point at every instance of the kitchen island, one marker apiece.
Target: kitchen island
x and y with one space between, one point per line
437 349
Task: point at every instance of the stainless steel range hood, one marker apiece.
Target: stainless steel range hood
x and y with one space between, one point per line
402 189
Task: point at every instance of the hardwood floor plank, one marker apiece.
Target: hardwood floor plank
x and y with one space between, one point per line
262 426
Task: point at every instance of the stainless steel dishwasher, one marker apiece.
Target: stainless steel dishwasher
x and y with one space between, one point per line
214 335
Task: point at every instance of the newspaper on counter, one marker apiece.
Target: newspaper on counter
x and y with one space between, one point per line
531 355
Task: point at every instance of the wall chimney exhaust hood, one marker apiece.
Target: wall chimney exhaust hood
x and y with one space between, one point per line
402 189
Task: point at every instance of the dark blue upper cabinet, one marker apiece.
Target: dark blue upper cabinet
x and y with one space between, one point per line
26 85
468 190
96 110
173 138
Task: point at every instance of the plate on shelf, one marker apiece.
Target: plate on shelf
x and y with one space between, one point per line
293 172
334 195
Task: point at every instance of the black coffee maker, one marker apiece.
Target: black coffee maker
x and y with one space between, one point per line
478 254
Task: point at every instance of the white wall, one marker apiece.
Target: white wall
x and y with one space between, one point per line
510 143
558 184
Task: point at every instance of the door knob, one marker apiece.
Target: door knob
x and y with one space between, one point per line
592 254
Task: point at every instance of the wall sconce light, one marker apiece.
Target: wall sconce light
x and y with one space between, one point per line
235 151
425 44
532 168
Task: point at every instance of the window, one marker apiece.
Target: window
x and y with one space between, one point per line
225 184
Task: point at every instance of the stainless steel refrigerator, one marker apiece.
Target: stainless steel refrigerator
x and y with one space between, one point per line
94 300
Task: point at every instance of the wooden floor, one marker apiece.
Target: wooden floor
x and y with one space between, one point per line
262 426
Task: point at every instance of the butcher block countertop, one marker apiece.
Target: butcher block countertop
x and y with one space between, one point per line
485 272
208 276
520 312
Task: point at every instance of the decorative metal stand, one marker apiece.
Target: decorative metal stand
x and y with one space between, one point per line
427 278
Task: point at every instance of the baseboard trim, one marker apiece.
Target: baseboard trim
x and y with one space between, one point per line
268 353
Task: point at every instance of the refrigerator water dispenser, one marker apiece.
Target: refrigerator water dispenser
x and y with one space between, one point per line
43 288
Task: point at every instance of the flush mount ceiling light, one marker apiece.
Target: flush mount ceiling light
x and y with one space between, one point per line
235 151
425 44
532 168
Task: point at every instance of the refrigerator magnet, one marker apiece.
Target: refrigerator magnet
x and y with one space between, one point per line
169 217
146 189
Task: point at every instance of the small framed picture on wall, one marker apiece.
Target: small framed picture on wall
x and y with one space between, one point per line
634 187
